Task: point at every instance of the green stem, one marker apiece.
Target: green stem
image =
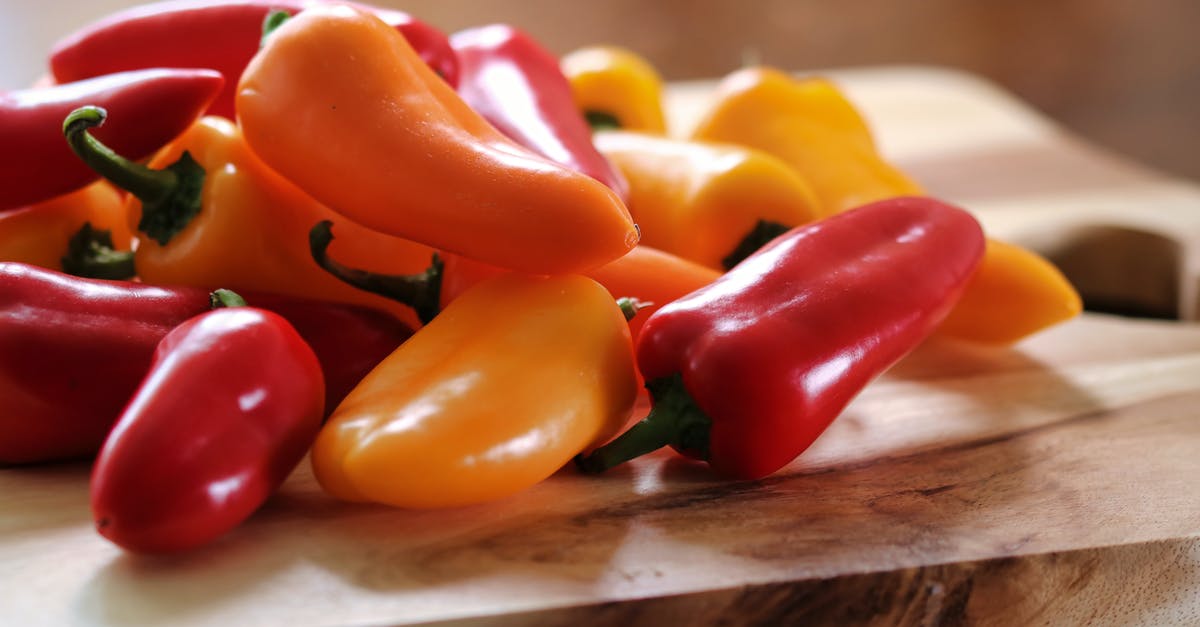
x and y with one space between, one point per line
764 231
225 298
420 291
170 197
630 306
602 120
90 254
271 23
673 420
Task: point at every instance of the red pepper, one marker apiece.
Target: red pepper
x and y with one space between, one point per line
154 106
230 405
73 350
518 86
746 372
221 35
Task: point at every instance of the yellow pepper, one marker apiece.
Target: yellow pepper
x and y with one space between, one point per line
505 386
40 234
811 126
616 88
1015 293
707 202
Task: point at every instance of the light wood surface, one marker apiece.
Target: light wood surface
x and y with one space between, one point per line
1048 483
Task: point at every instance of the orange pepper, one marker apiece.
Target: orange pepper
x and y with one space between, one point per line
234 223
651 277
811 126
504 387
703 200
40 234
616 88
339 103
1015 293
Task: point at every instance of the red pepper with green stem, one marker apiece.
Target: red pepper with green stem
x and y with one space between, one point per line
747 372
221 35
73 350
228 408
154 107
518 86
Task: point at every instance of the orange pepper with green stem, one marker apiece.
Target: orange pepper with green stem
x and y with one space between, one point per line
503 388
650 277
56 233
213 214
708 202
616 88
811 126
340 104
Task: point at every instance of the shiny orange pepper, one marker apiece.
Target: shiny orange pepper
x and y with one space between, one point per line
340 104
648 276
40 234
504 387
616 88
810 125
1015 293
708 202
230 221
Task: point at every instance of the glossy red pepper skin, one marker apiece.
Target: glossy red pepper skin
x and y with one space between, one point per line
152 107
774 350
221 35
232 402
517 85
72 352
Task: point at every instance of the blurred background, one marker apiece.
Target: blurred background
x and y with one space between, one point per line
1125 75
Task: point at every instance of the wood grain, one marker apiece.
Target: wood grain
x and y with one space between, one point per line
1049 483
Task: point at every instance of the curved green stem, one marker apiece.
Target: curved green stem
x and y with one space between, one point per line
421 291
170 197
673 420
90 254
764 231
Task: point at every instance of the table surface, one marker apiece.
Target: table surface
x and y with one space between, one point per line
1053 481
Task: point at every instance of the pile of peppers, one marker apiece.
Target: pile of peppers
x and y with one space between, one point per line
443 267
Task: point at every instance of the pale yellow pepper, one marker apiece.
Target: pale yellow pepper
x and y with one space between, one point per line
615 87
810 125
701 200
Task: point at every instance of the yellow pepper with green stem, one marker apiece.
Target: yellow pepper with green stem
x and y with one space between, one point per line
616 88
809 124
711 203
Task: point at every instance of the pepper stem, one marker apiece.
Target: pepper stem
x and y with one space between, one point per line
90 254
271 23
221 298
673 420
420 291
764 231
630 306
170 197
602 120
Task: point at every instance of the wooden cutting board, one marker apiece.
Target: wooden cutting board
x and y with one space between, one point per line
1049 483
